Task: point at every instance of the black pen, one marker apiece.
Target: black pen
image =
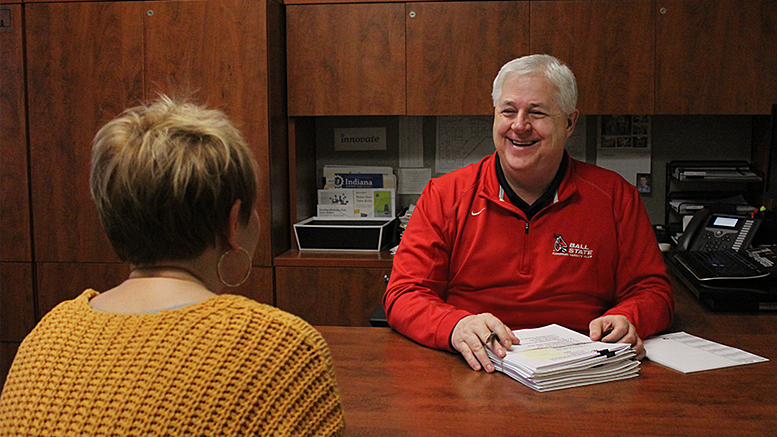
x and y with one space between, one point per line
492 337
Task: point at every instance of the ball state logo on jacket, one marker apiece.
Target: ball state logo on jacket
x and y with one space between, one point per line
561 247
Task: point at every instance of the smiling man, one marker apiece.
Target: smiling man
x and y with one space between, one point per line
528 236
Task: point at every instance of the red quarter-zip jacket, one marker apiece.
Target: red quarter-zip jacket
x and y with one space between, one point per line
468 250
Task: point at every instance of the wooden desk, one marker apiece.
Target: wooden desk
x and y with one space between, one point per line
391 386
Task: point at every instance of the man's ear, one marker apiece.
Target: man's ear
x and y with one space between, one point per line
572 122
232 225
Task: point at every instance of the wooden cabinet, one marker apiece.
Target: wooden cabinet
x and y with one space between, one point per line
331 288
14 196
135 50
89 61
17 308
63 281
610 47
340 296
395 58
85 65
454 51
229 55
7 352
85 62
639 57
346 59
716 57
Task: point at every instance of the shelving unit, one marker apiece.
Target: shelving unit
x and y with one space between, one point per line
723 186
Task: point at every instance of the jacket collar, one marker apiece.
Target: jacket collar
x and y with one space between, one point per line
491 188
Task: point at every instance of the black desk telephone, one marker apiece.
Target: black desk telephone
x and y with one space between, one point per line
718 246
707 231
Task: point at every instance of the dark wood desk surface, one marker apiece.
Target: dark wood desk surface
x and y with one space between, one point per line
391 386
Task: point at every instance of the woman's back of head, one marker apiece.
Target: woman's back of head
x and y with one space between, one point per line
164 177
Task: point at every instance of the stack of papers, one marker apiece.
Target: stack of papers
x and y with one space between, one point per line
718 173
357 192
352 177
554 357
689 206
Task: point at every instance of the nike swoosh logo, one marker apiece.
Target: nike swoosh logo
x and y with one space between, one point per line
478 213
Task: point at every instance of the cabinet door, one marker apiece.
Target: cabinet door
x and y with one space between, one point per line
346 59
330 295
14 200
58 282
716 57
454 51
209 50
17 310
258 287
7 352
609 45
84 66
17 306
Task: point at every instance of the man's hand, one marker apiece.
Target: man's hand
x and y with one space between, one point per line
473 334
616 329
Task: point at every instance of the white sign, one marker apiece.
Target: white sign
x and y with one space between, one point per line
360 138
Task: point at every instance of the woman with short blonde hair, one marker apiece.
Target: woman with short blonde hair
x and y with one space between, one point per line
165 352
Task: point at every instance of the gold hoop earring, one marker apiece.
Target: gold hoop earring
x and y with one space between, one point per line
220 264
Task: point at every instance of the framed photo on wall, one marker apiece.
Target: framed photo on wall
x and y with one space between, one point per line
644 183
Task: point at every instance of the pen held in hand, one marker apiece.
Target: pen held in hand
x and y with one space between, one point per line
492 337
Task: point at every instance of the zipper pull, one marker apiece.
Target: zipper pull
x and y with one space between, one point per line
527 228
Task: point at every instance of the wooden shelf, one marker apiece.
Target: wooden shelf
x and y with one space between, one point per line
309 258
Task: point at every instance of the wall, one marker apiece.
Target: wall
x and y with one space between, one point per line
674 137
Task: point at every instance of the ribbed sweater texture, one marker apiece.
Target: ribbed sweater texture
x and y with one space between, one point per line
225 366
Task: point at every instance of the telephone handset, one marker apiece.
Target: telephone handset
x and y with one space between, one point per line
707 231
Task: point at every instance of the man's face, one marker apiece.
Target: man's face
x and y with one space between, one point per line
530 130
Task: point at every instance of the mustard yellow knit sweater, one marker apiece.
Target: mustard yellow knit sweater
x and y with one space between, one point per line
226 366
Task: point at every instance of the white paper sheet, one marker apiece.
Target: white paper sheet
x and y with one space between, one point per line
688 353
413 180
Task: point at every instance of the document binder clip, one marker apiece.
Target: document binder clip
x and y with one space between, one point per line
606 352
